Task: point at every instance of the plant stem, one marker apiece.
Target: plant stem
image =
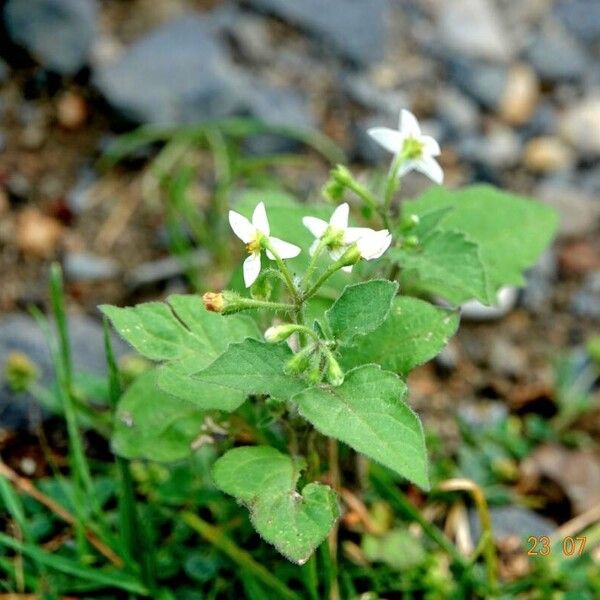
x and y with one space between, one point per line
132 530
313 262
362 192
284 271
82 477
240 557
335 480
487 538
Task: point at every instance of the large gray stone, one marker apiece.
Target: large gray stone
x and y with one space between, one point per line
556 56
582 17
474 28
179 73
355 29
57 33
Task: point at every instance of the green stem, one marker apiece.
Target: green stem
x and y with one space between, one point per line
253 303
82 477
284 270
240 557
313 262
330 270
132 530
363 193
392 185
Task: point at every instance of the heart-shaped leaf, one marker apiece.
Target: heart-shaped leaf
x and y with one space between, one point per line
265 481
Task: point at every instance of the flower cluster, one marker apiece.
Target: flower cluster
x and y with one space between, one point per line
336 236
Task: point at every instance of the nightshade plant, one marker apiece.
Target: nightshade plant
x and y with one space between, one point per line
323 335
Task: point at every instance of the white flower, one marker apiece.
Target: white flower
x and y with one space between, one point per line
252 234
339 237
416 150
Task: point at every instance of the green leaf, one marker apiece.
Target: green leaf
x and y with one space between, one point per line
397 548
180 329
445 264
361 308
368 413
414 332
265 481
512 231
246 368
149 423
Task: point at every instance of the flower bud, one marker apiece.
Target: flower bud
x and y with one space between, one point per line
409 222
334 372
299 362
278 333
350 257
410 242
341 174
214 302
20 371
333 190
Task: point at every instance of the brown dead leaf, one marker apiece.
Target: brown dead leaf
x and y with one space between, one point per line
577 472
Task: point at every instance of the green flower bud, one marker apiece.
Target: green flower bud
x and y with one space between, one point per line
278 333
299 362
412 241
409 222
350 257
333 191
334 372
225 302
20 371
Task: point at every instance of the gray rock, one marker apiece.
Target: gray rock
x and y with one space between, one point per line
457 111
20 333
385 102
473 310
577 210
556 56
482 81
498 149
507 359
537 294
179 73
586 302
355 29
164 269
580 125
57 33
474 28
482 415
582 17
88 267
508 521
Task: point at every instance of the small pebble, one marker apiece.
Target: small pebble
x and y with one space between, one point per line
548 154
521 95
71 110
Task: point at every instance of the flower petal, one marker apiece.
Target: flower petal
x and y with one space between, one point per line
284 249
251 268
338 252
390 139
339 218
241 227
406 167
259 219
352 234
374 245
430 145
430 167
316 226
409 126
